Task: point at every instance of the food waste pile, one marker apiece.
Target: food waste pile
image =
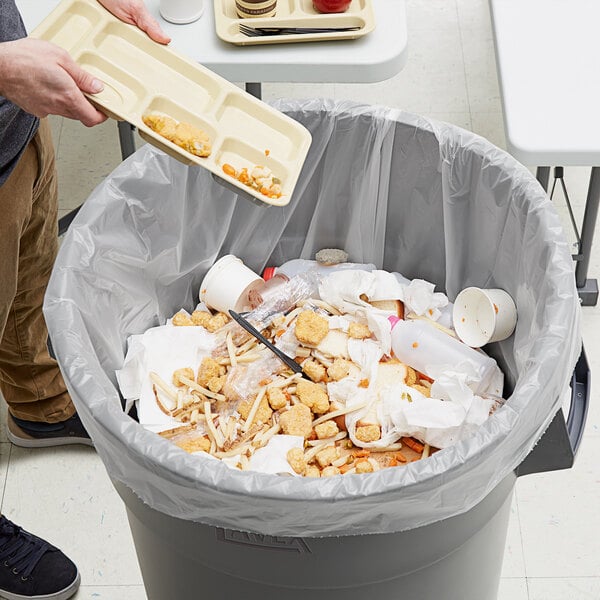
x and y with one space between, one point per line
384 381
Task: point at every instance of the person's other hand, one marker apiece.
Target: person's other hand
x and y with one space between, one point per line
135 12
43 79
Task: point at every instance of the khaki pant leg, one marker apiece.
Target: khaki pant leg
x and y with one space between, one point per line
30 379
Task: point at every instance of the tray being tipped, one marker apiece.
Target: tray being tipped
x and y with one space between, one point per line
141 76
294 13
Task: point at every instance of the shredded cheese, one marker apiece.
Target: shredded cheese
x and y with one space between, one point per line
211 426
339 436
231 350
164 386
199 388
254 409
339 413
285 382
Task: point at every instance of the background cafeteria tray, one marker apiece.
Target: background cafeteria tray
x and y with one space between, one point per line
294 13
140 75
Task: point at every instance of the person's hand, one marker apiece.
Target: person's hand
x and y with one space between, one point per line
43 79
135 12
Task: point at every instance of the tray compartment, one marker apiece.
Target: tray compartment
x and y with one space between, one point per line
130 49
297 20
122 92
167 106
240 117
239 154
69 29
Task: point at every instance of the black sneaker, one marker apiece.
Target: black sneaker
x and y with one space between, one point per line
32 434
32 568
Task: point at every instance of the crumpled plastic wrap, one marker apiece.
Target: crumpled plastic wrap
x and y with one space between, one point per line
425 199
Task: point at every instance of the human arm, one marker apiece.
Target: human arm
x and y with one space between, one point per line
43 79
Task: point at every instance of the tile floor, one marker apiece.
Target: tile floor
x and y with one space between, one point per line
553 546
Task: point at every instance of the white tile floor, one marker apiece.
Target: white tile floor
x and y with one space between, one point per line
553 547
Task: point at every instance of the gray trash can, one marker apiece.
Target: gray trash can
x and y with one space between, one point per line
426 199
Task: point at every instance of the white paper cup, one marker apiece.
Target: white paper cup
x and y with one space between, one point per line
181 11
227 284
482 316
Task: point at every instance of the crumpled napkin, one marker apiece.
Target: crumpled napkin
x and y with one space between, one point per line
161 349
343 289
420 298
272 458
451 414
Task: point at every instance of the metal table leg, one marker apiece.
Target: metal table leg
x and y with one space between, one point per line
126 139
543 175
255 89
588 288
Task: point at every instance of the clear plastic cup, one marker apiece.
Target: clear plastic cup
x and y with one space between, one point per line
227 285
482 316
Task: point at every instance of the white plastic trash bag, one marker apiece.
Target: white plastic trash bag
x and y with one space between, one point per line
422 198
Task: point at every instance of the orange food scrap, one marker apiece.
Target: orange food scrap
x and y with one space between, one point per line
463 320
243 176
415 344
496 308
364 383
400 457
260 179
280 332
413 444
229 170
267 152
361 453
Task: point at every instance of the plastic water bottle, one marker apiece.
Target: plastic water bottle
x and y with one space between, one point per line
431 351
300 265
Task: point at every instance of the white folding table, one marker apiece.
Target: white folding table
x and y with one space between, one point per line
548 58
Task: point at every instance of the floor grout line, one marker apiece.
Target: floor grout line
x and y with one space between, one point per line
6 477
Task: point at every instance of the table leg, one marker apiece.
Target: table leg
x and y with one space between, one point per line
588 288
255 89
543 176
126 139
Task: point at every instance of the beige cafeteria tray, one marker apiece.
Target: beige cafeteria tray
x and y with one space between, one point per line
140 75
294 13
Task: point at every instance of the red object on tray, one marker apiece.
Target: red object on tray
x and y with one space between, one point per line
331 6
